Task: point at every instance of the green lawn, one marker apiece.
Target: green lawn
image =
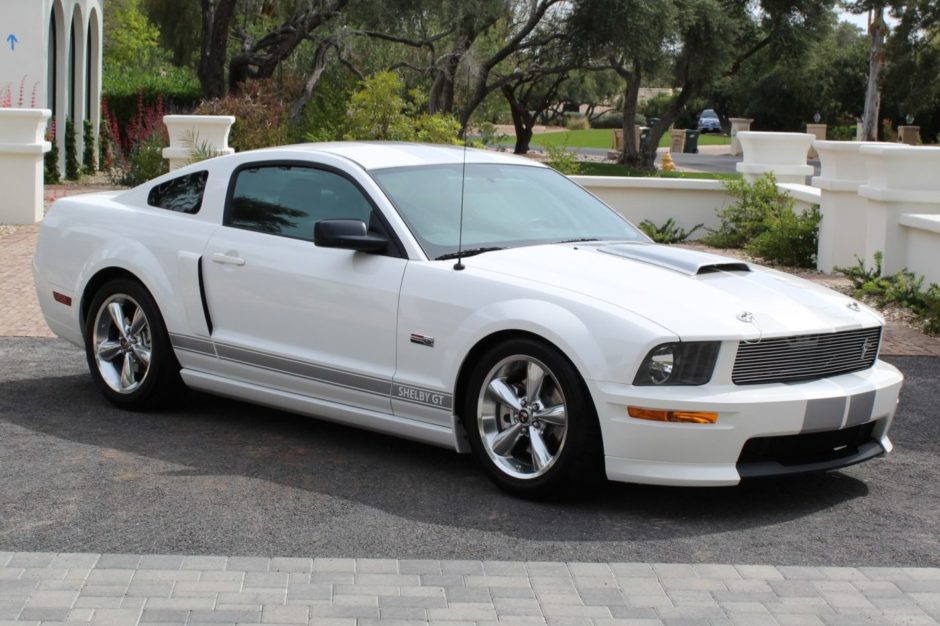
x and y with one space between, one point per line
603 138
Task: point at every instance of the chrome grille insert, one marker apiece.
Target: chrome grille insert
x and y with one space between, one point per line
805 357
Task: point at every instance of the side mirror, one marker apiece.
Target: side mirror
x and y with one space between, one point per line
347 234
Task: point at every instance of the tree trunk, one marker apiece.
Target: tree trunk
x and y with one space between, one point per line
216 18
316 72
522 121
648 153
441 98
877 32
631 94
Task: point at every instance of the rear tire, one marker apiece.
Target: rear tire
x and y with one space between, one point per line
531 422
128 349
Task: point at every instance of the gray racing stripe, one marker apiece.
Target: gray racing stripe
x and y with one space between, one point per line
306 370
823 414
381 387
192 344
860 408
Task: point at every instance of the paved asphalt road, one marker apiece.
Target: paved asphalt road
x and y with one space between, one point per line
220 477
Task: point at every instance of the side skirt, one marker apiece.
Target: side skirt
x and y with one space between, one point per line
313 407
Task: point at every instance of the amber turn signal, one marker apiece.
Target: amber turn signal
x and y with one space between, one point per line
662 415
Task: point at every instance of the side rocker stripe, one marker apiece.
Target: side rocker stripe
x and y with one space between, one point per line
366 384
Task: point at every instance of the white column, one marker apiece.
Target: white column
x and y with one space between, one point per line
784 154
843 230
819 132
900 179
738 124
195 131
21 164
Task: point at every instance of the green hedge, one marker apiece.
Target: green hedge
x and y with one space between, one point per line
179 87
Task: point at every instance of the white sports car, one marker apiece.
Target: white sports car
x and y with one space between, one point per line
467 299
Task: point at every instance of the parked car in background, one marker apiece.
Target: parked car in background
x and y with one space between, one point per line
708 121
468 299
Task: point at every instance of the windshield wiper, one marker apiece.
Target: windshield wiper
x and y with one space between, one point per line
467 252
578 240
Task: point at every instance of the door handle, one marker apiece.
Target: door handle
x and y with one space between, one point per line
227 258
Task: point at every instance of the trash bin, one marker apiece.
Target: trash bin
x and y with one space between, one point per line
652 121
644 135
691 141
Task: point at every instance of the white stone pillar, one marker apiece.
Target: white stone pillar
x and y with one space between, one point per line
195 131
676 140
819 132
22 146
909 135
843 230
900 179
738 124
784 154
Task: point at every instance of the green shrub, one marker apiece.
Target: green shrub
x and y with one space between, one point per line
845 132
614 119
763 222
51 175
790 239
177 87
490 135
72 169
745 219
668 232
576 121
903 289
379 111
144 162
89 163
563 160
260 115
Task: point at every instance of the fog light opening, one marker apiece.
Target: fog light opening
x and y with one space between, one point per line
664 415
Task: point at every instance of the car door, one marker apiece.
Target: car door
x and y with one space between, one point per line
288 314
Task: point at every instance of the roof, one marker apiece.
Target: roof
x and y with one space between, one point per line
378 155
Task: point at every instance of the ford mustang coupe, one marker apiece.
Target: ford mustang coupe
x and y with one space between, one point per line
467 299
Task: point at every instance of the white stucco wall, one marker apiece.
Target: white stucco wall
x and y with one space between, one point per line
25 66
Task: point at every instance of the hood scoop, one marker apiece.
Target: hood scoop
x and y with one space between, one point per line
689 262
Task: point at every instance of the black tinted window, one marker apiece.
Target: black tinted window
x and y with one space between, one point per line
182 194
288 200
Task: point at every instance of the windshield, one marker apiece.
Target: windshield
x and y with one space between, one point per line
505 206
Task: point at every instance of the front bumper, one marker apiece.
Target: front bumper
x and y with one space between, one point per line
785 423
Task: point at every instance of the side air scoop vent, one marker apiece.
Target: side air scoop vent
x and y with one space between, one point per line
681 260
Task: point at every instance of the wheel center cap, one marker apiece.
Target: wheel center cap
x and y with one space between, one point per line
523 416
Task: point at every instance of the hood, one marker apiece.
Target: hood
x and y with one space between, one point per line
692 294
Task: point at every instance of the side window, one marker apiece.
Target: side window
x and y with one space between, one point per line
182 194
288 200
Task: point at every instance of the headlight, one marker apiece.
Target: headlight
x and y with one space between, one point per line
679 363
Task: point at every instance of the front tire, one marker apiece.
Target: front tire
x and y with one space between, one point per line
531 422
128 349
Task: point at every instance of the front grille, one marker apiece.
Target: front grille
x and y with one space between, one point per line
805 357
806 448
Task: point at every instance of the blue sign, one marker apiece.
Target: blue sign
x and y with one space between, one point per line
11 38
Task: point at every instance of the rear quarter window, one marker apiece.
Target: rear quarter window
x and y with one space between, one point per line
182 194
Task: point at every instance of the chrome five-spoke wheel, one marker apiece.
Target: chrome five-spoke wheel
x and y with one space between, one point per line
522 417
530 420
127 347
122 343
